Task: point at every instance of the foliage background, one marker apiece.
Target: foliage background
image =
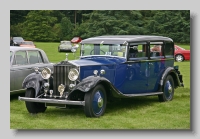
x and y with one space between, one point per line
57 25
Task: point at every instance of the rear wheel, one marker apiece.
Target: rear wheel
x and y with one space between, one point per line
33 107
95 102
168 89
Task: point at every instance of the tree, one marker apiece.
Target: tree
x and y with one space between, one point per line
38 26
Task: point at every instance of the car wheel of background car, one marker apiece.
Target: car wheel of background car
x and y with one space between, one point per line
179 58
59 50
33 107
168 89
95 102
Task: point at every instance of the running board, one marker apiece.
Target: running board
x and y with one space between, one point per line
143 94
55 101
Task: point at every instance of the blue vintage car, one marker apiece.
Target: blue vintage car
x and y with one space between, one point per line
119 66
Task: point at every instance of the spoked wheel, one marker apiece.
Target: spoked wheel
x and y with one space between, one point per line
33 107
179 58
168 89
95 102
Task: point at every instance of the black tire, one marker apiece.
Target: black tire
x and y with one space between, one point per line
179 58
33 107
168 89
95 102
59 50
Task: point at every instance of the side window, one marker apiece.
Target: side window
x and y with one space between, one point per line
137 51
21 58
34 57
156 50
169 50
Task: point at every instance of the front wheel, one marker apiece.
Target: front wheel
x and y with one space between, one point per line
168 89
33 107
179 58
95 102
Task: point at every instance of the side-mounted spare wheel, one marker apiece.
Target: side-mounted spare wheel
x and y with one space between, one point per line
168 89
95 102
33 107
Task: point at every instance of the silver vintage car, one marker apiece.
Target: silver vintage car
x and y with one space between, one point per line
23 60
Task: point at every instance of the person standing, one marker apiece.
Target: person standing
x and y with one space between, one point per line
11 41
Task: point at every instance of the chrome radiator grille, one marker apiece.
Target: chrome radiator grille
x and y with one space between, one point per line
60 76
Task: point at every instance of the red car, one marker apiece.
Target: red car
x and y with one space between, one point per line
181 54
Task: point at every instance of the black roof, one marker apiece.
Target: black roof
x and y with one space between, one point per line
121 39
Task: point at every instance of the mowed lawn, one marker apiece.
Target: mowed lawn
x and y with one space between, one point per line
136 113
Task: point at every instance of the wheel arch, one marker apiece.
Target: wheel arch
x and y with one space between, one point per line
170 71
33 80
89 83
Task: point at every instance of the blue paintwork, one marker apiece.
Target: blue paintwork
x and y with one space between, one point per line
127 77
95 106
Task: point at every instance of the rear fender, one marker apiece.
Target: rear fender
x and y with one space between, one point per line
171 71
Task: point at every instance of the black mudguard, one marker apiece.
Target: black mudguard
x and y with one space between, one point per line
171 71
33 81
90 82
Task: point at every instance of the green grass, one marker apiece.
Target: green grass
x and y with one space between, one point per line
136 113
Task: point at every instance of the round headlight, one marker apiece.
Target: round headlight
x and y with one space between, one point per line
46 73
73 74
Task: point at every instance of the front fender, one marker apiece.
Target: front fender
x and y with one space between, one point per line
33 81
90 82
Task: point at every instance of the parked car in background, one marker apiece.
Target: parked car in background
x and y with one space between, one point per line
17 41
64 46
181 54
121 66
67 46
27 44
23 60
76 40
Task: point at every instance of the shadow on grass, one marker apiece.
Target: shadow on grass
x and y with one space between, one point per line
15 96
112 107
132 103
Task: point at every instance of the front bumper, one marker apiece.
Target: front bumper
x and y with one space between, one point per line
55 101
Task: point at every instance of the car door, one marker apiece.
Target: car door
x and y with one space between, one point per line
136 71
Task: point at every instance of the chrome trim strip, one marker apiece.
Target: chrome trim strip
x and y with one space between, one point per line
143 94
100 56
56 101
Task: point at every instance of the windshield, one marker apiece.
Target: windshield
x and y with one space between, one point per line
27 43
18 38
66 42
103 49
